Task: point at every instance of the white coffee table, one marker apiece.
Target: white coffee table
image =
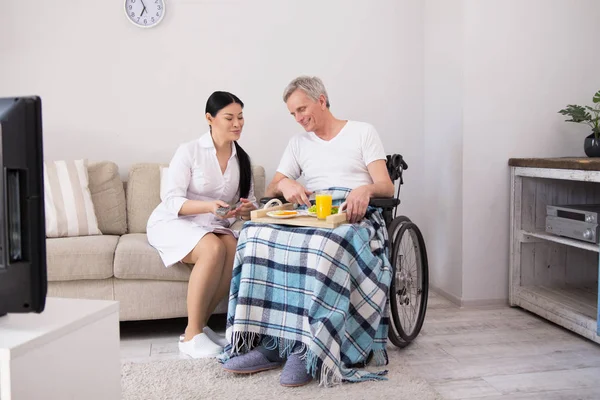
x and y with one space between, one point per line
70 351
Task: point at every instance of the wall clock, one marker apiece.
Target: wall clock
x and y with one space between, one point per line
145 13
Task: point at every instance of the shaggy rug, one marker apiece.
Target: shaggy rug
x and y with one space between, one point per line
205 379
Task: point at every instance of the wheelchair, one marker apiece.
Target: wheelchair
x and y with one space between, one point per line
409 288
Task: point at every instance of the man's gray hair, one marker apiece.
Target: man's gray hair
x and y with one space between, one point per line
311 85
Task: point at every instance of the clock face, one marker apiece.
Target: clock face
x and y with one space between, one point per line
145 13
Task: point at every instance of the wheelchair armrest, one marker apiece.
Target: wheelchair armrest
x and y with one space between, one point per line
384 202
265 200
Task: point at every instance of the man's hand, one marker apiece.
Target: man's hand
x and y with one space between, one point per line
294 192
357 203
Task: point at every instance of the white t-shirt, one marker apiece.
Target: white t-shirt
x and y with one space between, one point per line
341 161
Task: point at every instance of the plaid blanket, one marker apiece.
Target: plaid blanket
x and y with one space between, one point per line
325 289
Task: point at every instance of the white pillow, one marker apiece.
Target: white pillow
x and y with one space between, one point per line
164 180
67 200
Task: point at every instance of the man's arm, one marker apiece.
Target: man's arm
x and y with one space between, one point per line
358 199
383 185
273 189
291 190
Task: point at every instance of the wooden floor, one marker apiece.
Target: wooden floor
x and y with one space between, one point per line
470 353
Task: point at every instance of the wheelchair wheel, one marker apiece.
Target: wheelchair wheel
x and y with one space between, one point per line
410 283
393 230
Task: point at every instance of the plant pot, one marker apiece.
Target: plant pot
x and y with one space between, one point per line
591 146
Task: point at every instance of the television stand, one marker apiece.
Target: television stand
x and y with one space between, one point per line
69 351
553 276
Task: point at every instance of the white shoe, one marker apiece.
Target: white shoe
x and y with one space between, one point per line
213 336
200 347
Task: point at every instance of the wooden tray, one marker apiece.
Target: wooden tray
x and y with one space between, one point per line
332 221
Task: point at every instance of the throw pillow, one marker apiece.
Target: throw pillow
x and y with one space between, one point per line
68 201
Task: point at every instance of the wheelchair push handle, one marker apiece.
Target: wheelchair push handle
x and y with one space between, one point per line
395 165
396 161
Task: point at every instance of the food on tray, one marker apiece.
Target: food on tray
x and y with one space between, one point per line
284 212
313 209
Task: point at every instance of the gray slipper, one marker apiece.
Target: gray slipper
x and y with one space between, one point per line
249 363
294 373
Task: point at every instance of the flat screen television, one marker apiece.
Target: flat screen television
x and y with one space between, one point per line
23 279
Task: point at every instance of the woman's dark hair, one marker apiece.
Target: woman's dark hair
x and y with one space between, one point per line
215 103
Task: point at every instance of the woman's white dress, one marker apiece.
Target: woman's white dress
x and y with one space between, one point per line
193 174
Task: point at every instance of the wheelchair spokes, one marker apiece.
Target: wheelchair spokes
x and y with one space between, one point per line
409 288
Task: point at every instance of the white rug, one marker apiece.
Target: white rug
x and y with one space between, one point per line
205 379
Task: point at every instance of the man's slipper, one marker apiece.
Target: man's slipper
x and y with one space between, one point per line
294 373
249 363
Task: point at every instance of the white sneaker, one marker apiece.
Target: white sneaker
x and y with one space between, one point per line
200 347
213 336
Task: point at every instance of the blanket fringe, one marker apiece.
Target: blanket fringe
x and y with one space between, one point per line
243 342
380 357
285 346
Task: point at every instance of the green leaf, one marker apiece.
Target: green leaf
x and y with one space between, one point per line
597 97
577 113
592 109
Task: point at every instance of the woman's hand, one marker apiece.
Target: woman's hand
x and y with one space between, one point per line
215 204
243 210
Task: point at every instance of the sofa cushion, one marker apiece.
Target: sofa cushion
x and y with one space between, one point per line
108 196
83 257
143 192
258 175
143 195
136 259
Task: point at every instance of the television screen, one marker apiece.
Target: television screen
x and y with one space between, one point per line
23 280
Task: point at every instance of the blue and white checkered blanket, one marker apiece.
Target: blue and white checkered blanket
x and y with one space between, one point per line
324 288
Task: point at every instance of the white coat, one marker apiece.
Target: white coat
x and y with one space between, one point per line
193 174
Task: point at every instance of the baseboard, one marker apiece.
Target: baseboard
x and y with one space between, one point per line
450 297
471 302
484 302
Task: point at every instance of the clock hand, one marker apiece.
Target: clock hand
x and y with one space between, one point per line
142 13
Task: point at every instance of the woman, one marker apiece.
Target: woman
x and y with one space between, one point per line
204 175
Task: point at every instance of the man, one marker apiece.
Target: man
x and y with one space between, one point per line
315 298
331 153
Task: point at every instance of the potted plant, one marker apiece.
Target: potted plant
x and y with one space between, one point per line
591 116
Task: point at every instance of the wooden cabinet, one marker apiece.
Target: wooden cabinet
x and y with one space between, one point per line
552 276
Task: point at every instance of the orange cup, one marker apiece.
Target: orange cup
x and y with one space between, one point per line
323 202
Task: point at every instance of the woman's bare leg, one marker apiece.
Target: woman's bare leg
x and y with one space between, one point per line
230 244
208 258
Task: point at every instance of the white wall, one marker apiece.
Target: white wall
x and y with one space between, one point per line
443 144
524 61
496 73
113 91
457 86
